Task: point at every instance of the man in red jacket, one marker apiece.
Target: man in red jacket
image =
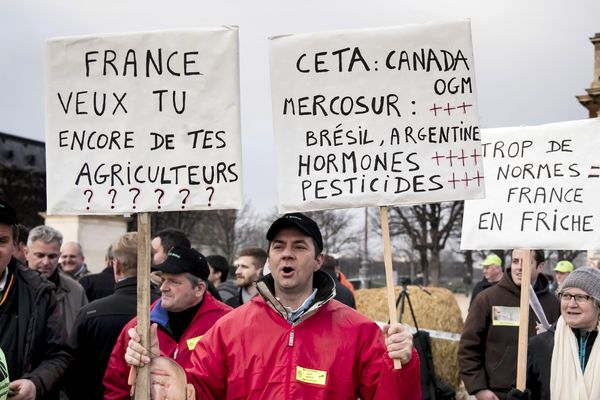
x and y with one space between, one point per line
185 311
294 341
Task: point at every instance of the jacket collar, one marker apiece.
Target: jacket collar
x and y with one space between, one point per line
159 315
321 281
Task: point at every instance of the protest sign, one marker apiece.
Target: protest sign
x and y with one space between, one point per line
542 186
375 117
143 122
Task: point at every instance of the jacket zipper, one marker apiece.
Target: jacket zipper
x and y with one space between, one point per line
288 389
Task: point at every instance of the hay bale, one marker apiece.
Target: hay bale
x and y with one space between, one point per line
438 311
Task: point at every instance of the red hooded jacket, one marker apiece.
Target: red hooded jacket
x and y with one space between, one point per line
332 352
117 371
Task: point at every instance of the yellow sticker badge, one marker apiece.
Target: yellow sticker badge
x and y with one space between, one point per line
191 343
311 375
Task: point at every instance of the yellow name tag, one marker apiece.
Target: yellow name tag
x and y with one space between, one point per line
505 316
191 343
311 375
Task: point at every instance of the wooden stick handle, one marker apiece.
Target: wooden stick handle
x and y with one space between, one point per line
524 256
389 272
142 385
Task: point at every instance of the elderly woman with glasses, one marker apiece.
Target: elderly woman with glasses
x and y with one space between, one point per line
564 362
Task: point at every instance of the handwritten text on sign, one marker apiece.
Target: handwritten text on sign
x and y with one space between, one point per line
543 185
143 122
376 117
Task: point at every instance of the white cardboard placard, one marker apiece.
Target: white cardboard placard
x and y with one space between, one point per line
143 122
375 117
542 189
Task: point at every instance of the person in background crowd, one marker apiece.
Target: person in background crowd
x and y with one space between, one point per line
342 277
183 314
467 281
249 265
102 284
419 279
492 273
562 270
564 362
487 352
219 269
99 323
43 251
21 243
292 341
162 243
32 333
342 294
72 260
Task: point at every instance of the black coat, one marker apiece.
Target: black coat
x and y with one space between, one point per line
539 361
99 285
94 334
344 295
479 287
42 354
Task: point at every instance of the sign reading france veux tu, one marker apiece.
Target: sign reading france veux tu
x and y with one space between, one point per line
143 122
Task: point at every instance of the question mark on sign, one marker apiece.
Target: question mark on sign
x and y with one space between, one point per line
185 198
89 194
160 196
114 194
135 196
212 192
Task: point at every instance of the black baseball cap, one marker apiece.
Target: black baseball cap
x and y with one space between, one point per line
7 214
218 262
181 260
300 221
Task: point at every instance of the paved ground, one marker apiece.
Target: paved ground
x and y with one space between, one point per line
463 303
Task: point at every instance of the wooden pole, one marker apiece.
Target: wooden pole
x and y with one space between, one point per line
142 386
524 256
389 271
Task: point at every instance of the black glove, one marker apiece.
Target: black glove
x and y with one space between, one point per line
516 394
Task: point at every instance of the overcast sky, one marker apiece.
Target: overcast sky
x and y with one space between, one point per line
531 57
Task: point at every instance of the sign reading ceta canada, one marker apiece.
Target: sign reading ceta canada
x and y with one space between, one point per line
543 185
143 122
376 117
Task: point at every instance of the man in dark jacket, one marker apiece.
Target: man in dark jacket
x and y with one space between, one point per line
492 273
99 323
102 284
219 269
249 266
42 252
488 346
342 293
35 343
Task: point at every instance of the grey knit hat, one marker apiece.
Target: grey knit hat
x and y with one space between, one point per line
584 278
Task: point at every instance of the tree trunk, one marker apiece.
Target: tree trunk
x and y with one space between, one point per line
434 268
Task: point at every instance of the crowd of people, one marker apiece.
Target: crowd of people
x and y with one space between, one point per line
562 357
285 328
